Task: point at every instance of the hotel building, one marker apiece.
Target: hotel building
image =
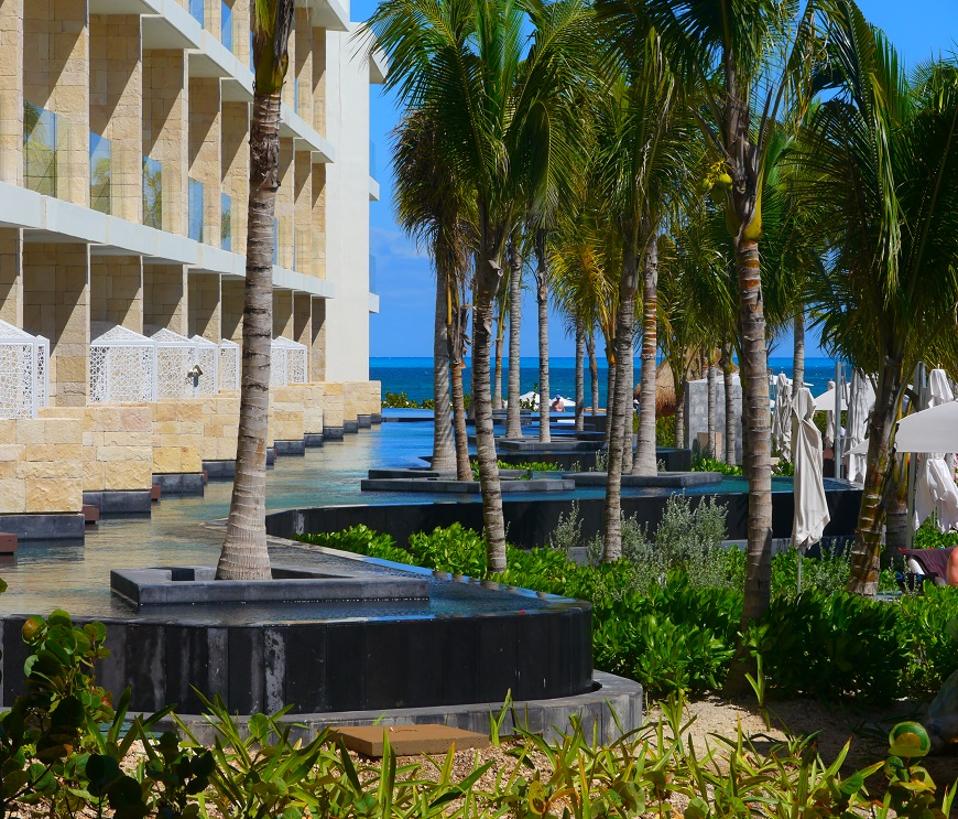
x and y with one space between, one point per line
124 167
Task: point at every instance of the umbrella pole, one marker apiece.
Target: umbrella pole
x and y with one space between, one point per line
798 577
837 447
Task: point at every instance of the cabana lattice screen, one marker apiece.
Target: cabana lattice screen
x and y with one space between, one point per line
175 356
24 372
207 355
122 367
229 365
288 363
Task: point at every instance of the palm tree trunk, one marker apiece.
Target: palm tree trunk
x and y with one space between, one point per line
867 548
628 370
609 392
513 410
711 445
244 555
625 317
645 462
593 372
798 354
896 515
758 451
579 377
542 302
463 468
680 387
494 530
730 436
497 368
443 450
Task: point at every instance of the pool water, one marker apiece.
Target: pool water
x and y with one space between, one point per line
188 531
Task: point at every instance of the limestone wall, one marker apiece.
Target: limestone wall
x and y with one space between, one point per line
117 451
178 428
41 466
220 423
286 416
334 405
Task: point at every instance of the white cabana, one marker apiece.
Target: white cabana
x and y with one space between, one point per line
860 404
24 372
175 358
781 417
122 367
207 357
811 507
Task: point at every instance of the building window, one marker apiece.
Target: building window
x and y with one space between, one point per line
40 149
153 193
195 209
101 154
196 9
226 25
226 222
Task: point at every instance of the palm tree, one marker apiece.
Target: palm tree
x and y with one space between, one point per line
434 207
641 136
509 130
737 54
244 555
880 164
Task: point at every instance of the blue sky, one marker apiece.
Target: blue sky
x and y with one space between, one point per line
919 29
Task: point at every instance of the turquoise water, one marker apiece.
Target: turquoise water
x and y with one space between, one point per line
413 376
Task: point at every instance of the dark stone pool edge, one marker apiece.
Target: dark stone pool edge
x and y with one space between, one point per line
614 707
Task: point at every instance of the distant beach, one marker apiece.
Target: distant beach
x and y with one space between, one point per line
413 376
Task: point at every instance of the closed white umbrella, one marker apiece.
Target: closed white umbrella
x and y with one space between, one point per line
936 493
811 507
781 419
861 402
939 390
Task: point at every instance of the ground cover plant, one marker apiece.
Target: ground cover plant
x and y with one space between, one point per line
66 750
669 613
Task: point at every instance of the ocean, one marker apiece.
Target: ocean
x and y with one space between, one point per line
413 376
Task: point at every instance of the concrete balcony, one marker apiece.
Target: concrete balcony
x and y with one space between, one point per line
47 219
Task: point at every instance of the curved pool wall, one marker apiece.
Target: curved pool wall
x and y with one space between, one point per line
466 644
530 521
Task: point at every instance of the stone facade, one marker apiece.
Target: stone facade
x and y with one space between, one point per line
41 466
105 119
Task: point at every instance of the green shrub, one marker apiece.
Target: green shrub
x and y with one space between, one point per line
834 645
665 430
705 464
361 540
668 614
400 400
928 536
